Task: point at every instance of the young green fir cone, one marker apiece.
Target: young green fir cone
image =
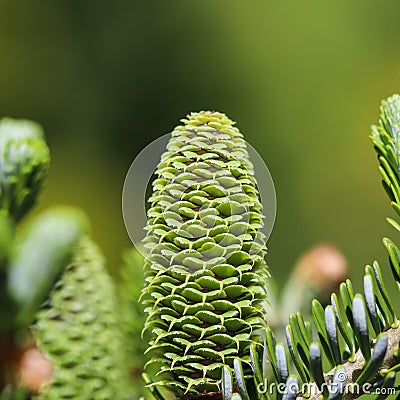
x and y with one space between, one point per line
77 329
205 269
24 161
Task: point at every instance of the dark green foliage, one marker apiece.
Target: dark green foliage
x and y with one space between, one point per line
205 268
6 240
132 317
11 393
315 353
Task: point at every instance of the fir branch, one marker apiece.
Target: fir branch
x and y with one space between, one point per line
354 369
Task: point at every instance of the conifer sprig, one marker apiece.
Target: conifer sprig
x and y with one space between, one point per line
358 334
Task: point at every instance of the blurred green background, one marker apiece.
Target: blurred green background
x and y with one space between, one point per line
303 80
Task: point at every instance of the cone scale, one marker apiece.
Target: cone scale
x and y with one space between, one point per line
205 271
